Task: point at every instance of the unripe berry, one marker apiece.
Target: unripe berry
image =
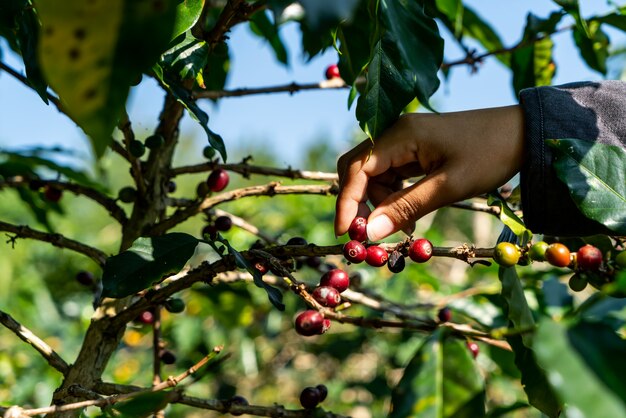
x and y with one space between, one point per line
396 262
473 348
444 315
174 305
218 180
52 193
421 250
354 251
506 254
558 255
589 257
167 357
297 241
332 71
620 259
208 152
155 141
336 278
577 282
223 223
309 397
376 256
202 189
537 251
358 229
127 194
85 278
309 323
326 296
136 148
171 186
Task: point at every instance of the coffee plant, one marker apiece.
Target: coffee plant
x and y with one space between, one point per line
179 288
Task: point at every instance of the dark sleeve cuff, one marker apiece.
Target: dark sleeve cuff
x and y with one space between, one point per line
585 111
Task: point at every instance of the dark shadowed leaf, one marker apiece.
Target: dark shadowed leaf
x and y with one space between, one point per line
353 37
324 14
534 379
594 174
187 58
146 262
576 381
441 380
143 405
91 52
593 46
263 27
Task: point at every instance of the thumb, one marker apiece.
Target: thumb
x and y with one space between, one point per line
401 209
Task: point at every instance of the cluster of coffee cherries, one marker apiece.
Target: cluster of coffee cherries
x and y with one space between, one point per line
215 225
355 251
588 262
311 396
327 293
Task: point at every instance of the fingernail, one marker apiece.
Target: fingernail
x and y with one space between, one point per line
379 227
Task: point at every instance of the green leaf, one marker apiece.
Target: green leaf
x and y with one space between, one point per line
593 45
186 59
354 51
144 405
275 296
575 381
414 31
187 14
534 379
508 217
91 52
184 96
216 69
441 380
321 15
594 174
263 27
146 262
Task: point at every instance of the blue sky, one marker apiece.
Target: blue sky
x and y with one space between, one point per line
286 123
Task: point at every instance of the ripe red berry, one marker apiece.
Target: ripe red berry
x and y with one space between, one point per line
558 255
218 180
473 348
332 71
325 325
223 223
376 256
358 229
310 397
261 266
146 317
336 278
444 315
420 250
326 296
309 323
85 278
354 251
589 257
52 194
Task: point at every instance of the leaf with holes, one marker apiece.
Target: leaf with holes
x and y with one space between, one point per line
595 176
91 52
146 262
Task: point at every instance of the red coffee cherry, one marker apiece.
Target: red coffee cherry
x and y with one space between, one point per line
52 193
309 323
326 296
444 315
218 180
589 257
325 325
376 256
473 348
146 317
558 255
354 251
420 250
332 71
336 278
358 229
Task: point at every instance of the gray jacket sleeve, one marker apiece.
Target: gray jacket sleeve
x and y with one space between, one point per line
589 111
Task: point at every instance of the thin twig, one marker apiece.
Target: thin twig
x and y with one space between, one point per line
111 400
106 202
37 343
246 169
246 226
332 84
58 240
270 189
135 163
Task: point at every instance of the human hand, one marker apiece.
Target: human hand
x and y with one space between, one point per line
459 155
